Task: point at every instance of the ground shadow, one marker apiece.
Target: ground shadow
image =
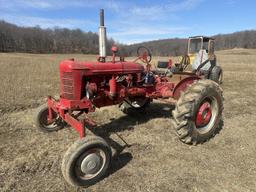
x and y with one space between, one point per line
127 122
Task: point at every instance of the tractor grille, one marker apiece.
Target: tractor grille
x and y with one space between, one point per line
68 86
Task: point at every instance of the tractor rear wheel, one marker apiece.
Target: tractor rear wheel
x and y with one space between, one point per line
216 74
198 113
86 161
42 122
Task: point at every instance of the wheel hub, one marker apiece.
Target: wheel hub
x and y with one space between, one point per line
91 164
204 114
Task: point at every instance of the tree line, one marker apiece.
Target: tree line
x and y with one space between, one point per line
164 47
61 40
177 46
57 40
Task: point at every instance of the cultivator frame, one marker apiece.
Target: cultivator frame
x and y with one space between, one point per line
63 109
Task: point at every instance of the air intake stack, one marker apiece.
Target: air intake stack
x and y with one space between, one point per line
102 37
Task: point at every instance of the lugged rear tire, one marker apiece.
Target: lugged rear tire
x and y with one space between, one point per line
198 113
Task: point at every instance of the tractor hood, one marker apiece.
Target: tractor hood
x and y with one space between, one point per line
97 68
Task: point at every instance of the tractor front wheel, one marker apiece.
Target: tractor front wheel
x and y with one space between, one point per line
86 161
198 113
42 122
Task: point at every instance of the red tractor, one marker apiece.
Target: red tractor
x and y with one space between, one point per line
86 86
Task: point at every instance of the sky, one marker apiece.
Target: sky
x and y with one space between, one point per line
131 21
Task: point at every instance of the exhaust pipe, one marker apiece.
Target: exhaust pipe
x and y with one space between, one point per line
102 36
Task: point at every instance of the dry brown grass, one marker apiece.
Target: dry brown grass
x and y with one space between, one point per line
27 78
156 159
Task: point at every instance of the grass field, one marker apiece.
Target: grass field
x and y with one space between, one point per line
155 160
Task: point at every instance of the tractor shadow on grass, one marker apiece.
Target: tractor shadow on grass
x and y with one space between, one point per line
127 122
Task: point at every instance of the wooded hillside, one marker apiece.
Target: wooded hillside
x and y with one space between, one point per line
174 47
61 40
37 40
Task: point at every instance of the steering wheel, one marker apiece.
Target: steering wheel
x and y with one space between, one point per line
144 54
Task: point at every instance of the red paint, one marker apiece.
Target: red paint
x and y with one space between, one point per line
49 117
204 114
114 50
183 84
112 87
136 92
170 63
78 125
86 85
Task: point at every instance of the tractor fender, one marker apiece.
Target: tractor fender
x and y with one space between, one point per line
182 85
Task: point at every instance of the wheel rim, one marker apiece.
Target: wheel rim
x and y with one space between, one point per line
90 164
206 115
45 121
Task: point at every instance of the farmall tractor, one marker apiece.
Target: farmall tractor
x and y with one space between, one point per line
86 86
200 59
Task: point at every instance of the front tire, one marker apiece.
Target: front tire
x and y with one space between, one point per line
86 161
42 123
198 113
